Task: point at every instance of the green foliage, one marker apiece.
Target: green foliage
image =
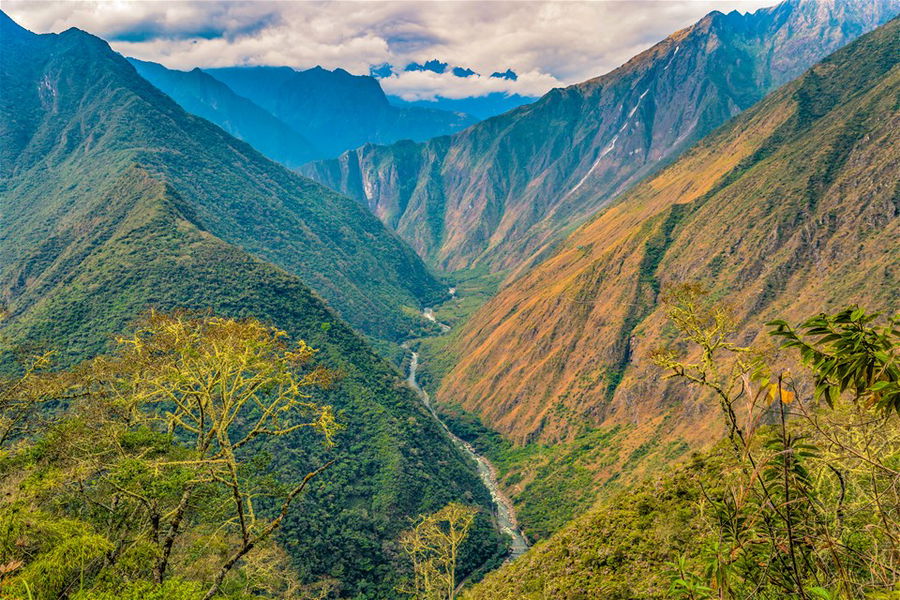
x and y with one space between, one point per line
162 442
64 550
686 585
616 551
846 352
782 526
343 529
472 288
160 209
550 484
171 589
81 179
433 546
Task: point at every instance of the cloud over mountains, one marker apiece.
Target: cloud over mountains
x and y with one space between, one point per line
546 44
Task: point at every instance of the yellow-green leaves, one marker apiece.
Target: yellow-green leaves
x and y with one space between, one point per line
432 545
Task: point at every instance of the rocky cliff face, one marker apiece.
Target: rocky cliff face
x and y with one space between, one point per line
498 192
790 209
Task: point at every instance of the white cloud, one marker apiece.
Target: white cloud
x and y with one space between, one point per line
425 85
547 43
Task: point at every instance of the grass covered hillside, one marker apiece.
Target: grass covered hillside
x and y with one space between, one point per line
774 212
82 259
799 499
76 117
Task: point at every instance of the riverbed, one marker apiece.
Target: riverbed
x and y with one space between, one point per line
503 506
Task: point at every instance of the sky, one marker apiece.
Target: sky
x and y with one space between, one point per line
547 44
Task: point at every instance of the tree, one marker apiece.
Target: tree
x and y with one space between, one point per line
849 352
22 396
164 447
221 384
432 545
812 506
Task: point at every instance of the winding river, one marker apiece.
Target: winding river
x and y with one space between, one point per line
505 513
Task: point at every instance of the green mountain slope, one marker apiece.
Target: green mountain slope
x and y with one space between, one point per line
75 115
203 95
789 209
616 551
506 188
128 239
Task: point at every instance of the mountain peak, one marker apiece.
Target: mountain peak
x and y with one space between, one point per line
9 28
336 110
135 122
508 74
500 191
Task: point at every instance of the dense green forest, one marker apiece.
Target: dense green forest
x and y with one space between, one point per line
100 226
115 485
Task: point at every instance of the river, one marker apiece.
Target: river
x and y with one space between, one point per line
504 510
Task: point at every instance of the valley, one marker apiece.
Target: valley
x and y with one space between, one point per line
504 510
501 194
282 323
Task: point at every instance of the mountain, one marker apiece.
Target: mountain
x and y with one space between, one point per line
100 222
500 191
791 208
480 107
69 139
335 110
205 96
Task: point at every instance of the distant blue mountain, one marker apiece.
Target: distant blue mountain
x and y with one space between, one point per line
201 94
481 107
433 65
508 74
338 111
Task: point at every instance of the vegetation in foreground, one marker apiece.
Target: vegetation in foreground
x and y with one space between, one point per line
800 500
157 471
155 478
433 545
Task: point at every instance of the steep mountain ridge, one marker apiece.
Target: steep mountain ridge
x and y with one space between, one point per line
205 96
504 189
105 232
77 115
775 212
337 111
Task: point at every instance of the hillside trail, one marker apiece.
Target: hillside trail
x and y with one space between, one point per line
504 510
